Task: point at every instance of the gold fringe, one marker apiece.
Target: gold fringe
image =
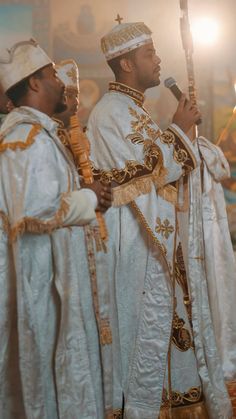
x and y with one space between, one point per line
5 222
193 411
21 144
169 193
129 191
34 225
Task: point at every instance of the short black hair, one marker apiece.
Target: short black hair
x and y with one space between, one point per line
20 90
114 63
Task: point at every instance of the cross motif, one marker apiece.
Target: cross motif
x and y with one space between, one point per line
165 228
118 19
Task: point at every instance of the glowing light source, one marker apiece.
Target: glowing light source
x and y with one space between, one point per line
235 87
205 31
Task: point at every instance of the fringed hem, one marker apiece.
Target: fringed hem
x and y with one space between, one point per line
128 192
22 145
193 411
34 225
169 193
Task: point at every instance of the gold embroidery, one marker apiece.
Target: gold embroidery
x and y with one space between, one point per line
165 228
22 145
142 123
137 96
136 138
180 155
168 138
132 168
148 229
120 37
193 395
181 337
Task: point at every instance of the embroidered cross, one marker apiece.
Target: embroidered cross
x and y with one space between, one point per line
165 228
118 19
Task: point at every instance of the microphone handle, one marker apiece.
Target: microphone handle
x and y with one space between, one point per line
177 94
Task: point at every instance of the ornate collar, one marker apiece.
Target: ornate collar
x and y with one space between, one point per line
137 96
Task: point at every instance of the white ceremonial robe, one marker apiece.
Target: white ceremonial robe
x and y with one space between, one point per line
129 150
50 364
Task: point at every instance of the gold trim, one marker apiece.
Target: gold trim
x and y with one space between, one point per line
36 226
22 145
168 193
148 229
115 38
136 95
194 411
179 151
5 222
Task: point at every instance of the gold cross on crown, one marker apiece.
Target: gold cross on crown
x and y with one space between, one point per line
118 19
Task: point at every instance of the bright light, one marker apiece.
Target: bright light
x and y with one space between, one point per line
235 87
205 31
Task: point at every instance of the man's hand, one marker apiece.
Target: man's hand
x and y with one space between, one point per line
104 194
186 115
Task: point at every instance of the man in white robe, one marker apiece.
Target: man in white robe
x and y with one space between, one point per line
157 369
50 364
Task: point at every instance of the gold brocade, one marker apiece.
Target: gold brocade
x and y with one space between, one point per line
120 37
195 411
129 91
22 145
181 337
127 192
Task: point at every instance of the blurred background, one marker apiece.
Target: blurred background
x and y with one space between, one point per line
73 28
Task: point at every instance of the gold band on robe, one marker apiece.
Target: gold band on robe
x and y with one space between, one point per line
193 411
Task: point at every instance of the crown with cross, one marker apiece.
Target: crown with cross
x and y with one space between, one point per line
124 37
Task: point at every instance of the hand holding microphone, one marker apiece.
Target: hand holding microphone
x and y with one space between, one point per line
187 114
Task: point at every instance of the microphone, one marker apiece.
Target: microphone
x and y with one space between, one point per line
171 84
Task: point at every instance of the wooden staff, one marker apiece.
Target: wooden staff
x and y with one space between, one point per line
79 147
187 42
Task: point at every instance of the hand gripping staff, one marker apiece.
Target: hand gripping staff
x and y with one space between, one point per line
78 141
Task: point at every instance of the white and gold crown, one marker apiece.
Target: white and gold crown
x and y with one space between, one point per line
68 73
125 37
24 58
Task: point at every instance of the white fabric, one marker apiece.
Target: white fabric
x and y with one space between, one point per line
81 208
24 58
141 291
50 357
219 255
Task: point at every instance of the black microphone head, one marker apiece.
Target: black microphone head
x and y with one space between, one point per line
169 82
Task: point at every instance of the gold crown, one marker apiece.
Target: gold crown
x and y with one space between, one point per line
125 37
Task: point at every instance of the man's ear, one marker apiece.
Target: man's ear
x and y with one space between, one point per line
126 65
34 83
